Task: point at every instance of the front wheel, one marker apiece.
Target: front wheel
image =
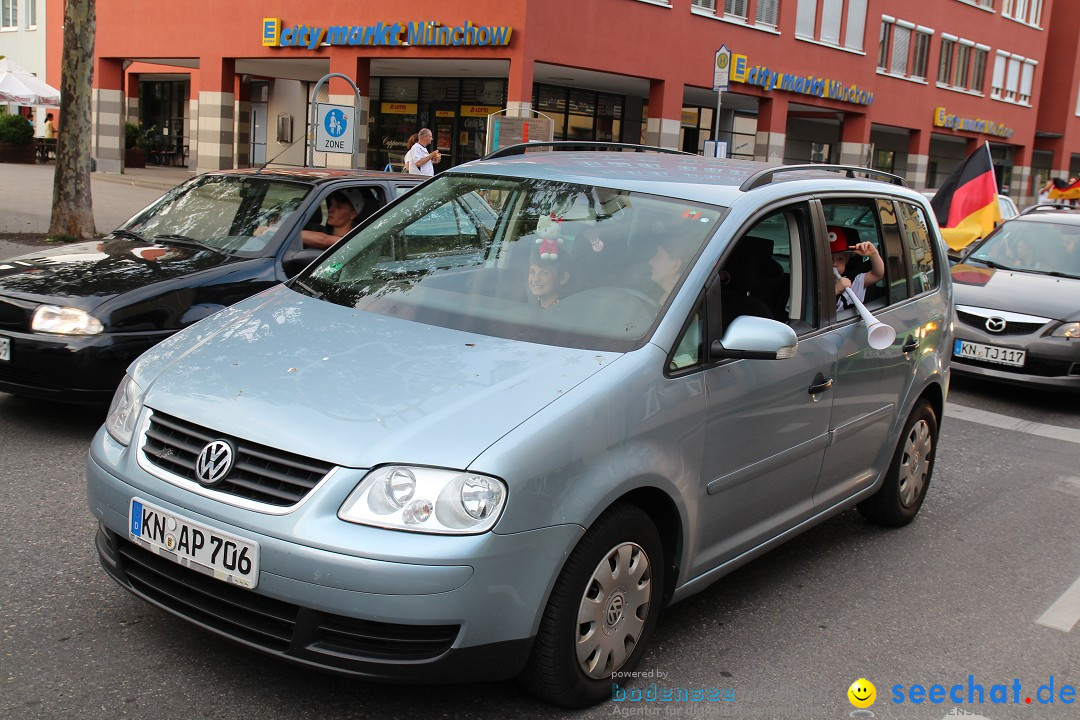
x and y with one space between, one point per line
601 612
900 496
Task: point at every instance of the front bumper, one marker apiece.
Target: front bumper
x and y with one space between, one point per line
466 609
79 369
1051 363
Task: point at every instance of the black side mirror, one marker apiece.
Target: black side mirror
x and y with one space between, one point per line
299 260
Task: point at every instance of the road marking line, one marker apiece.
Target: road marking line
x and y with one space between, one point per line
1064 613
984 417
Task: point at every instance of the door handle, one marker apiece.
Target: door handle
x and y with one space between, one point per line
821 384
911 344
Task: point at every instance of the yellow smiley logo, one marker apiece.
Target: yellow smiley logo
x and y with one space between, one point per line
862 693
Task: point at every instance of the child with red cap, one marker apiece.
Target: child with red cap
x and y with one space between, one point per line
842 241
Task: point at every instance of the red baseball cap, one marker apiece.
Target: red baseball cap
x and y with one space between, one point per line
839 239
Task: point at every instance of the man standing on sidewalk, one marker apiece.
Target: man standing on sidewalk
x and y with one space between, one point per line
421 160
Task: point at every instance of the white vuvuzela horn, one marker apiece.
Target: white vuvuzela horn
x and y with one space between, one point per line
878 334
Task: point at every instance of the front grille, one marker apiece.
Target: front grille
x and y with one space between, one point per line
28 377
261 473
333 641
1011 328
1032 366
13 316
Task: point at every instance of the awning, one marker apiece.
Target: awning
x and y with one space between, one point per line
20 86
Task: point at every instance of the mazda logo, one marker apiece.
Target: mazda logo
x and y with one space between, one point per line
214 462
995 324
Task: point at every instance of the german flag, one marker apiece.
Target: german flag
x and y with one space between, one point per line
1064 190
966 206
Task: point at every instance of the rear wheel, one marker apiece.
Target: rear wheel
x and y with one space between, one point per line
898 500
601 612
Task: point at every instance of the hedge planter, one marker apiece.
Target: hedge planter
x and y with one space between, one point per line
135 158
18 153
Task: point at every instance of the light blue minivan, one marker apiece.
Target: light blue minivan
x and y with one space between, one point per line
500 425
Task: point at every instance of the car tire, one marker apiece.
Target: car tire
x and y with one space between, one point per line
900 496
601 612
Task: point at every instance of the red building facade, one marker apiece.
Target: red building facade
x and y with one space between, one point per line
906 87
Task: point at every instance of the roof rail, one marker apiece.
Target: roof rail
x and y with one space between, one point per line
768 175
1049 207
522 148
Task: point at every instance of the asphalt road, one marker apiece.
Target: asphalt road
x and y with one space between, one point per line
955 594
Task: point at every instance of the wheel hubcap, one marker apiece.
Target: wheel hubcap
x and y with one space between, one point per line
915 463
613 610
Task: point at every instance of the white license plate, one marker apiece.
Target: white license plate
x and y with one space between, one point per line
989 353
212 552
5 349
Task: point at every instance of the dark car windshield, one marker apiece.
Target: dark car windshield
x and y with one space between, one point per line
550 262
234 214
1032 246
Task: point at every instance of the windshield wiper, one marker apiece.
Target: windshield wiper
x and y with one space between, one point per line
1058 273
309 290
185 240
121 233
995 265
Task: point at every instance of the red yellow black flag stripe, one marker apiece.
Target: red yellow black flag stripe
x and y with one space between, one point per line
966 205
1064 190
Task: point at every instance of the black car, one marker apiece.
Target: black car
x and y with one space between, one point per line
73 317
1017 295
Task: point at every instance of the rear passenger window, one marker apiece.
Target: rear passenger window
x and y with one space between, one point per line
924 275
872 221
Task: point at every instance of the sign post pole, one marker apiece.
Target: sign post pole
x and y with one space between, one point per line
332 117
721 82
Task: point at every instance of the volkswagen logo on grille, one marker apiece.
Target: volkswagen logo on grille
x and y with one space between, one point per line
214 462
995 324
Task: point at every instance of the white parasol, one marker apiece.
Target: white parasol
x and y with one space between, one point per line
20 86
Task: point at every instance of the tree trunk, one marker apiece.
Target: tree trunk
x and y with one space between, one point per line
72 211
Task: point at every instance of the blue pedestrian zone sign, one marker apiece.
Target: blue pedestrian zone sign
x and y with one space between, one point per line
334 128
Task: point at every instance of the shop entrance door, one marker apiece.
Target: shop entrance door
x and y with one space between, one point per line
443 127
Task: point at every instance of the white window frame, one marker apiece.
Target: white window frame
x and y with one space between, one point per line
734 12
774 6
31 14
848 16
9 15
1027 81
704 4
1028 12
891 52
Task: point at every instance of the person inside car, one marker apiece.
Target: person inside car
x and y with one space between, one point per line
547 278
342 213
841 246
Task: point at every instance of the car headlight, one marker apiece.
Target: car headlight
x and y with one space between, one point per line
427 500
1068 330
124 411
65 321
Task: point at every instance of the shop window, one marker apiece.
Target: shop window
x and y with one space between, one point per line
833 13
9 14
903 48
1028 12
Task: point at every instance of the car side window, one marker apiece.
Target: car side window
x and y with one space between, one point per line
689 350
769 273
921 257
863 220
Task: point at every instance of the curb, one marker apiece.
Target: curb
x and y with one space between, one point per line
136 182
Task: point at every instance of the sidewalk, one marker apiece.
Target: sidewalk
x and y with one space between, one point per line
26 195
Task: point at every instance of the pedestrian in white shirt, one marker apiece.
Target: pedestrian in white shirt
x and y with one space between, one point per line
420 161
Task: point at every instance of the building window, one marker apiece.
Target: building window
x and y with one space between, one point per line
9 14
963 64
903 48
735 8
833 14
31 14
988 4
1013 78
767 12
707 4
1028 12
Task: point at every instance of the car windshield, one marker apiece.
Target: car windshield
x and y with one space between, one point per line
227 213
548 262
1044 247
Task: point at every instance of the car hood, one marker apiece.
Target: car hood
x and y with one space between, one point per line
86 274
353 388
1021 292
